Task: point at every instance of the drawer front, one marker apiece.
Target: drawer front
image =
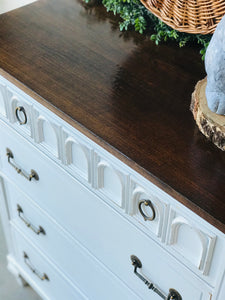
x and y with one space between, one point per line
52 188
40 273
75 261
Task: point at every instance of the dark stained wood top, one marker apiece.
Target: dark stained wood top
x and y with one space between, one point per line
124 92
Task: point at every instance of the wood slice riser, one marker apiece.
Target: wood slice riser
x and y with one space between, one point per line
210 124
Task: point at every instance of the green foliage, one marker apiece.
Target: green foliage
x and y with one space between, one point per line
135 16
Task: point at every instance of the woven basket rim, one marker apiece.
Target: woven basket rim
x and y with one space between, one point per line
193 16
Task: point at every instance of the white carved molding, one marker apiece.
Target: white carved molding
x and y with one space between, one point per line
206 242
3 100
85 170
40 134
116 190
101 166
52 141
14 104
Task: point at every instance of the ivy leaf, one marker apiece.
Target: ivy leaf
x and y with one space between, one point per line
134 15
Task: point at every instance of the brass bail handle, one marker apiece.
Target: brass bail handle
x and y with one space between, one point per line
28 223
149 204
41 276
173 294
33 174
18 110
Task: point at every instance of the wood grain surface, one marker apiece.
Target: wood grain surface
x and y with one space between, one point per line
122 90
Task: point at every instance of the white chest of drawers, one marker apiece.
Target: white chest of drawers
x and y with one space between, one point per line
74 224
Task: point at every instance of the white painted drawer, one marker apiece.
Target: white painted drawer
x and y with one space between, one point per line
54 190
35 266
83 269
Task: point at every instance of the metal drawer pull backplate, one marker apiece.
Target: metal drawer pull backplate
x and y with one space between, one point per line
40 275
28 223
33 174
149 204
21 109
173 294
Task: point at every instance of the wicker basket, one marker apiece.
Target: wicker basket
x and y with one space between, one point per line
192 16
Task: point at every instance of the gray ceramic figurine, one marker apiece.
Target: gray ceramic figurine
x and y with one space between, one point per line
215 69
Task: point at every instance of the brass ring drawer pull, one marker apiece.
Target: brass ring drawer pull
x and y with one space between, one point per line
173 294
21 109
33 174
36 272
28 223
149 204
